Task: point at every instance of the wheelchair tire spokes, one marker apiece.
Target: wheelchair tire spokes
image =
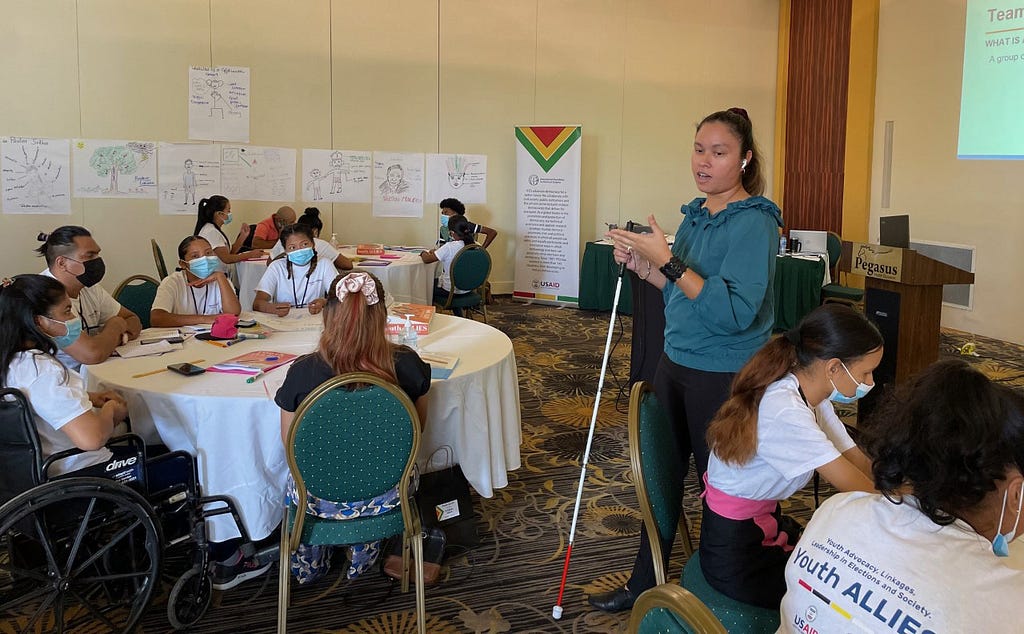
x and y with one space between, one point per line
78 537
124 532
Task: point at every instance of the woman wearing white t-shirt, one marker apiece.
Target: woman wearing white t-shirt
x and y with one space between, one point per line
461 232
213 213
37 318
947 452
324 250
197 292
777 428
298 280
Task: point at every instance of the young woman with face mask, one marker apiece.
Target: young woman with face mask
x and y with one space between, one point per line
37 318
947 451
197 292
776 429
298 280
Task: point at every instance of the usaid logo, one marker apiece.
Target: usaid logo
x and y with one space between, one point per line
120 464
543 284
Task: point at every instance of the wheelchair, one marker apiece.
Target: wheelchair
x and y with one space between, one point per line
77 549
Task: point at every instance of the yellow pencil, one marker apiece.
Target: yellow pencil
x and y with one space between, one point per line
139 376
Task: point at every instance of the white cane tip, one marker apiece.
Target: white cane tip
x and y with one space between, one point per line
556 612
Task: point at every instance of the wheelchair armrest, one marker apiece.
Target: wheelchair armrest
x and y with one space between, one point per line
131 440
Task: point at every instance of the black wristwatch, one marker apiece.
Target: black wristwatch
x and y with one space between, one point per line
673 269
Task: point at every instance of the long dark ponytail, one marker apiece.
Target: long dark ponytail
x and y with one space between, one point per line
832 331
21 299
461 229
208 208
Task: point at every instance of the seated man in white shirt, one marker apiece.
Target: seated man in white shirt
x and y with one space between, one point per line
73 259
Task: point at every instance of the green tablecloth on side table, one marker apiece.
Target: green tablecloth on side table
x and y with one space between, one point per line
797 289
597 280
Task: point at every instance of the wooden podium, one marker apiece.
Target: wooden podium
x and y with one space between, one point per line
903 296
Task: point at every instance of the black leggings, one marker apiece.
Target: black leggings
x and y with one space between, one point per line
691 398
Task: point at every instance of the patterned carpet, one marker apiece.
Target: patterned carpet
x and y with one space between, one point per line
510 582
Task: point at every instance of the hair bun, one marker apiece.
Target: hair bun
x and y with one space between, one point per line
312 211
741 112
43 236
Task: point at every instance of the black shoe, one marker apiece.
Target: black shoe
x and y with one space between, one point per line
614 601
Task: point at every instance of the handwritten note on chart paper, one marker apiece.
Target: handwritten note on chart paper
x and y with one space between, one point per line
251 172
336 176
188 172
462 176
114 169
35 175
218 103
398 185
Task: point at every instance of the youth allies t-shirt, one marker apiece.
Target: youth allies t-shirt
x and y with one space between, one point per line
307 373
175 296
298 290
865 564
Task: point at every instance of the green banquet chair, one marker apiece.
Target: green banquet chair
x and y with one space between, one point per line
469 271
658 477
136 293
158 258
353 438
836 292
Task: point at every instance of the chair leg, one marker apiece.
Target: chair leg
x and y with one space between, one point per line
484 306
421 599
283 574
406 538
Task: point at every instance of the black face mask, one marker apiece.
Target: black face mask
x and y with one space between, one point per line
93 273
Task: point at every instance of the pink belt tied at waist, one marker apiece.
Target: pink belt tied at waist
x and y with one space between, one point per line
759 511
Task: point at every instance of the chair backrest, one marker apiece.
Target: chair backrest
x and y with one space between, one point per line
158 257
353 438
834 244
20 453
670 608
657 472
136 294
470 267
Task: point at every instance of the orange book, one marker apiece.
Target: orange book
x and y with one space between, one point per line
369 249
420 317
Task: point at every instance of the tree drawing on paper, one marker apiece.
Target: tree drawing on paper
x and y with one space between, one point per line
113 161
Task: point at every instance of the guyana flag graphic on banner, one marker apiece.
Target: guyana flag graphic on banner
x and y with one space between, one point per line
547 144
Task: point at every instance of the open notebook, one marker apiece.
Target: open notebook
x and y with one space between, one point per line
253 362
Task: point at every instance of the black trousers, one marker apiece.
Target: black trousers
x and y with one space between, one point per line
691 398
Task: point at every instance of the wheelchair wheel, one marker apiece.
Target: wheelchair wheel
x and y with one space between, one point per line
56 546
189 598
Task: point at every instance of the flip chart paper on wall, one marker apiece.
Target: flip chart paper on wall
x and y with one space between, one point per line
462 176
218 103
114 169
35 175
336 176
187 173
251 172
398 184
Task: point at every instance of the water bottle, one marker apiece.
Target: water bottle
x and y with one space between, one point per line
334 240
782 245
410 337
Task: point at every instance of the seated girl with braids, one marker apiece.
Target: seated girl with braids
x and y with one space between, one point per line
353 340
197 292
298 280
777 428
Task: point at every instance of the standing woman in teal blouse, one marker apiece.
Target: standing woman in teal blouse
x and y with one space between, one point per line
717 282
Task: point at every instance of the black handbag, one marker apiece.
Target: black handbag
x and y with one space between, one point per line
444 501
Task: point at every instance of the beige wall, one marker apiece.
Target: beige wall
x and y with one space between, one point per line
403 75
978 203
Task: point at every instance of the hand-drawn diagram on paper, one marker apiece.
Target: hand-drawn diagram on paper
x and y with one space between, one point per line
114 169
336 176
398 184
35 175
218 103
251 172
188 173
462 176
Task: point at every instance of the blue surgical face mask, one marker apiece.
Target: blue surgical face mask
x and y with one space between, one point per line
301 256
444 220
227 220
72 329
1001 544
204 266
862 390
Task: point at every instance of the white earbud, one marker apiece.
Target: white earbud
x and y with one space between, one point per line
743 165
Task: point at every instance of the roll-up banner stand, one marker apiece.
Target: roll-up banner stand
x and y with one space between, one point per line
548 214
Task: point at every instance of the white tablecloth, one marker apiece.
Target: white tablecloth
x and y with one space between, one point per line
233 427
406 279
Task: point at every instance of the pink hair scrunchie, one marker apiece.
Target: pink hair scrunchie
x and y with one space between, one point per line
358 283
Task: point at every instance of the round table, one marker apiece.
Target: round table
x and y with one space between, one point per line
406 277
233 427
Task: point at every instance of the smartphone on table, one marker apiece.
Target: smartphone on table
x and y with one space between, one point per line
188 369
